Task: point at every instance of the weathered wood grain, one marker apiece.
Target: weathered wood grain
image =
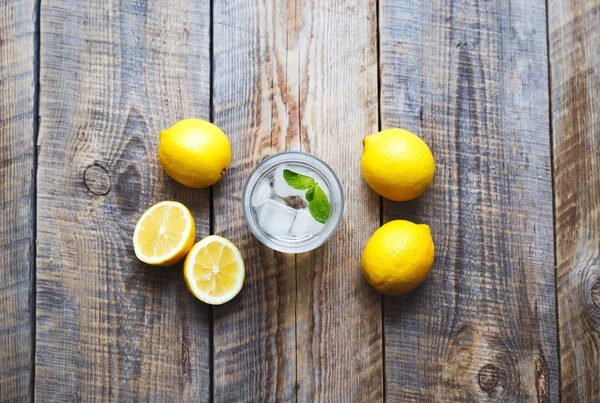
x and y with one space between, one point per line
471 79
254 335
338 313
298 76
113 74
17 155
574 32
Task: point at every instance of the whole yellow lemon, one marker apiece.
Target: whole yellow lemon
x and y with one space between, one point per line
397 164
398 257
194 152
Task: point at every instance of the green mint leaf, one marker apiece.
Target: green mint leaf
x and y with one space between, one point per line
297 181
319 206
310 193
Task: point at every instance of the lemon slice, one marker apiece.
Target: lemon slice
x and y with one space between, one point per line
214 270
164 234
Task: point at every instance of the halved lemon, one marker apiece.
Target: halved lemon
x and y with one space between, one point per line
164 234
214 270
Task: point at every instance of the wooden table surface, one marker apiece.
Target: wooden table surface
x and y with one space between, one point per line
507 95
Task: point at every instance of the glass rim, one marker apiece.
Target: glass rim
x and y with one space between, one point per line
337 196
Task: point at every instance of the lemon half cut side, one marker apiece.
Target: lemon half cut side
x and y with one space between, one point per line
214 270
164 234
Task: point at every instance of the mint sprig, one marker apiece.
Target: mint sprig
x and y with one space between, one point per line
318 204
310 194
298 181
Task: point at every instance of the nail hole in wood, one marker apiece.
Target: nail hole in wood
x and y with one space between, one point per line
488 378
97 180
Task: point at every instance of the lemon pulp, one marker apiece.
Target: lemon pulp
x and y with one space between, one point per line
214 270
164 234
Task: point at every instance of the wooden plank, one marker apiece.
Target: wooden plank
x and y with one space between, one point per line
339 324
298 76
113 74
254 335
574 33
17 148
471 79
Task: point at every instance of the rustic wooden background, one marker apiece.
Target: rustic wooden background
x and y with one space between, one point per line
506 93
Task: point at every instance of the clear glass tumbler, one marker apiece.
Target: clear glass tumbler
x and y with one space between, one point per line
278 215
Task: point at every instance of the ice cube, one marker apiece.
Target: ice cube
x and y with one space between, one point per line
316 227
275 218
303 224
261 193
282 189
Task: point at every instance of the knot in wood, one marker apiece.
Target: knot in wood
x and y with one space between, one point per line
97 179
488 378
596 294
